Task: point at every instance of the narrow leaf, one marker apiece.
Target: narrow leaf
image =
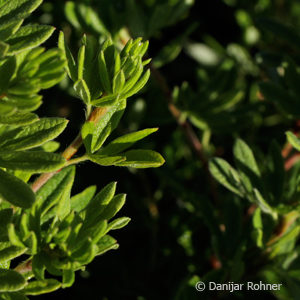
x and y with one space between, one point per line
68 278
28 37
42 287
124 142
141 159
33 161
71 65
18 119
82 91
34 134
80 201
10 253
118 223
104 160
226 175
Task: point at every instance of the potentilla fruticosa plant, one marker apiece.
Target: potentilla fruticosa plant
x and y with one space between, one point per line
46 234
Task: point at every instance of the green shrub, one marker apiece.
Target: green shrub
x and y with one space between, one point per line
50 233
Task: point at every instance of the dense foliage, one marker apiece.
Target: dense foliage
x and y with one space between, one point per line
51 233
223 88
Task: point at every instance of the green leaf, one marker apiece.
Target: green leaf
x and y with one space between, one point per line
98 204
293 140
80 201
71 65
226 175
134 77
11 281
33 161
50 146
124 142
105 80
286 243
102 198
42 287
87 134
16 296
14 237
70 11
18 119
28 37
108 100
9 29
82 91
10 253
257 233
68 278
38 267
81 57
244 154
57 189
3 49
138 86
264 206
32 243
113 207
246 163
24 102
5 265
118 223
85 254
105 244
141 159
84 17
5 219
16 10
118 82
15 191
98 231
34 134
95 135
104 160
7 70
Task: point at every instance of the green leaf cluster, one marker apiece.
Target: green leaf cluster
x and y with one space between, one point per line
51 232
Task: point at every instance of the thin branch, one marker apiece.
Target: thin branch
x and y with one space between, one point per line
71 150
283 226
291 161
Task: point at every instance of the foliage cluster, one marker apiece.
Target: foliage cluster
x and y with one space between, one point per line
49 232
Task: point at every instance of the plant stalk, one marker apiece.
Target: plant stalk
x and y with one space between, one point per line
71 150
